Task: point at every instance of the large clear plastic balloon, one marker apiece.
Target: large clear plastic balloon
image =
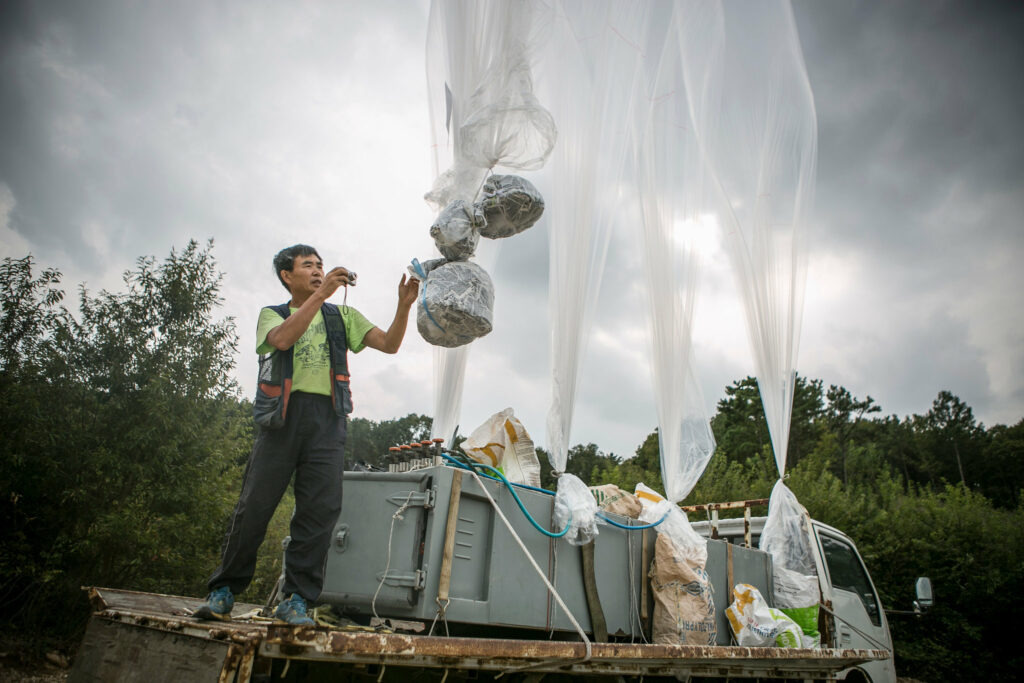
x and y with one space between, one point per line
676 210
755 114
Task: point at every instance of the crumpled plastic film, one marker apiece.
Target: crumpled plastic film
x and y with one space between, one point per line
510 205
785 535
576 505
483 109
753 111
787 538
456 304
457 230
692 546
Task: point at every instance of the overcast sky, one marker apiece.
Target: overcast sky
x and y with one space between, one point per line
128 128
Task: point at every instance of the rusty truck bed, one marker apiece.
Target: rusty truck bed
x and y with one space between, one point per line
130 629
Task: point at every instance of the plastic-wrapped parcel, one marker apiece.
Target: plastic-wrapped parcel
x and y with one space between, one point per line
503 442
456 303
575 505
684 610
786 538
510 205
457 230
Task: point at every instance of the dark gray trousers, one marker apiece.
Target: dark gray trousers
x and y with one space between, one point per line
311 444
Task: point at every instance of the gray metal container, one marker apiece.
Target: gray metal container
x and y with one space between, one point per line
748 565
394 564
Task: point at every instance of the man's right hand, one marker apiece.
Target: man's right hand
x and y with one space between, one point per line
337 277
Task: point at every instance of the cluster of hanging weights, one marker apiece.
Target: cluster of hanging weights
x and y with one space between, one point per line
457 295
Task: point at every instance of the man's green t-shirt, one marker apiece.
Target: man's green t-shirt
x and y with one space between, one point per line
312 357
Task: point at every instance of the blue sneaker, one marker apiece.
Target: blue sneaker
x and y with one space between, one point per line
293 611
218 605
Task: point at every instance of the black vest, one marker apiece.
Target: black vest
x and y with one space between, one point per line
275 376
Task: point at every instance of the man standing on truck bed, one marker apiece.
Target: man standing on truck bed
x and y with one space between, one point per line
301 407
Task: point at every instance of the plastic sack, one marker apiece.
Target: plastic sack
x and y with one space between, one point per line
684 608
611 498
456 304
510 205
457 230
502 442
692 546
576 506
796 595
787 539
785 536
755 624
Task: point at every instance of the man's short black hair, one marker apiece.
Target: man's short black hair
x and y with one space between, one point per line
285 259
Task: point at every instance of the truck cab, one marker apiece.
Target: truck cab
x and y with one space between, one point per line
852 614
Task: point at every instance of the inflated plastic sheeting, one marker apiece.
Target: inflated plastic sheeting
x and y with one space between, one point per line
589 75
754 114
456 304
676 212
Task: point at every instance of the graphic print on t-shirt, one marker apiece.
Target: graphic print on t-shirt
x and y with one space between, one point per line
309 354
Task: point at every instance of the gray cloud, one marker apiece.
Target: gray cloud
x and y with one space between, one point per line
128 128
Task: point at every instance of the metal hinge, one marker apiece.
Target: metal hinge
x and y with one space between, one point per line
424 499
416 579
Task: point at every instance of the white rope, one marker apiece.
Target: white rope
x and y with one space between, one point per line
544 578
387 561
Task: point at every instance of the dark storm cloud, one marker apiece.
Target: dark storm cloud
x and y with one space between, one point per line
920 177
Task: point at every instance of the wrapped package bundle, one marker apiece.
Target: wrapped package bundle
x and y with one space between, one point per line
510 204
611 498
503 442
684 609
456 303
755 624
456 231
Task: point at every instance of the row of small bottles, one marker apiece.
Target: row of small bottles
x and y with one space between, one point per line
415 455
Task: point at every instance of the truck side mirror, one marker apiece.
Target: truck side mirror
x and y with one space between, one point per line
923 589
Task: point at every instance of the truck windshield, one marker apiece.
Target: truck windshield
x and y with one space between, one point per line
847 573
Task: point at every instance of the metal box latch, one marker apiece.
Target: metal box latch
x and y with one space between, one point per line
424 499
415 579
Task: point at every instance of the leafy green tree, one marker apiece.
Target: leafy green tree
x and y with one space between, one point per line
123 436
368 441
844 415
741 429
951 440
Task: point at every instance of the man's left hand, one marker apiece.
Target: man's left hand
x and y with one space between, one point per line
408 290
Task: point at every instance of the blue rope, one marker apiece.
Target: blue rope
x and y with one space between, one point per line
423 297
515 495
633 528
510 485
